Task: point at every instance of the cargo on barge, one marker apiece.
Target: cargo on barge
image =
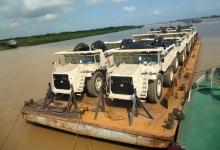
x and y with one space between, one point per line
112 121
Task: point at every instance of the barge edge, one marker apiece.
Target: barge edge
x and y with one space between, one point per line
97 132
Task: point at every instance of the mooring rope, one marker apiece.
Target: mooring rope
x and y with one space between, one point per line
76 141
10 131
204 70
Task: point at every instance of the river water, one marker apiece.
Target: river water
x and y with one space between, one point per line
25 72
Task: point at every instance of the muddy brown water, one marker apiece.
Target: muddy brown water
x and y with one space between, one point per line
25 72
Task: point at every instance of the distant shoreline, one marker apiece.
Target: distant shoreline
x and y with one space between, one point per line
197 18
56 37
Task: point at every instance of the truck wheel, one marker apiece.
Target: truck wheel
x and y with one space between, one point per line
182 58
175 64
188 49
168 77
95 83
155 90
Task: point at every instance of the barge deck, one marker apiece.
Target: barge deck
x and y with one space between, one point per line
113 123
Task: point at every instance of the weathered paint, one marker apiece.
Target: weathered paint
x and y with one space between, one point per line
95 131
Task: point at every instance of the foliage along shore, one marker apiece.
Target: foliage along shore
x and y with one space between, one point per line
56 37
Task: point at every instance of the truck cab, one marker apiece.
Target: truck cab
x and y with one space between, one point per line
189 32
179 39
139 70
84 70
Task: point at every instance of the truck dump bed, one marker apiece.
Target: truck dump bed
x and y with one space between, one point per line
113 123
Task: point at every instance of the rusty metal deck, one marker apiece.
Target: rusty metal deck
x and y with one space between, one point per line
113 124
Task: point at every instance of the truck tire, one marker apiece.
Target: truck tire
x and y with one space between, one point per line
94 84
188 48
175 64
182 58
81 47
99 45
125 43
168 77
155 90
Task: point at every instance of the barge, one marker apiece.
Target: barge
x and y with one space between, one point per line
152 125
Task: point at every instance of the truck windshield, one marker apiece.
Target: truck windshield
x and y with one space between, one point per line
87 59
151 58
70 59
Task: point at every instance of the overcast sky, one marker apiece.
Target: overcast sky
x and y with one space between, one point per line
31 17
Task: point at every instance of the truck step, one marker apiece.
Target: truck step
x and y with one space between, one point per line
143 96
143 91
144 83
144 87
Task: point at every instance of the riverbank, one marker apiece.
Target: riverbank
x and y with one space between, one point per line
56 37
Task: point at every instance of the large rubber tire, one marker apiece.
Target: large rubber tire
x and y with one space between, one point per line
94 85
168 77
125 43
81 47
188 49
99 45
154 92
175 64
182 58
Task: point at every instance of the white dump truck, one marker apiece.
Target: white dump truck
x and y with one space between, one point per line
187 38
163 29
140 67
181 44
83 68
113 44
182 40
118 44
168 39
189 32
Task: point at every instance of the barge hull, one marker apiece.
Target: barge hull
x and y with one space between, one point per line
98 132
144 131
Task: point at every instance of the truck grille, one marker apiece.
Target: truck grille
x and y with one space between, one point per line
61 81
122 85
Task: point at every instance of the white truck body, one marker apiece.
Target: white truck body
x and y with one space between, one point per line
113 44
189 33
75 70
127 64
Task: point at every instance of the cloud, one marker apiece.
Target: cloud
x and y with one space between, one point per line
100 1
129 8
118 1
30 9
39 4
94 1
48 17
156 12
200 9
13 23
